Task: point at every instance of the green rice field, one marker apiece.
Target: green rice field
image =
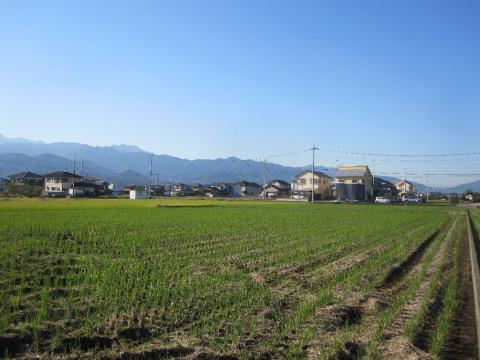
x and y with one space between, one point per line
211 279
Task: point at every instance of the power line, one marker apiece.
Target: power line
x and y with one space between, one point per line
397 155
285 154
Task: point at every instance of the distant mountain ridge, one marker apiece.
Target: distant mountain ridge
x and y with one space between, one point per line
4 140
128 164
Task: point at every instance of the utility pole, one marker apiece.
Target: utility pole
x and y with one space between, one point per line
405 180
313 172
150 183
81 169
264 172
264 177
73 184
428 192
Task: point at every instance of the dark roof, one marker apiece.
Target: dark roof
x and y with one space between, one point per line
383 182
383 185
404 181
26 174
58 174
247 183
283 185
318 173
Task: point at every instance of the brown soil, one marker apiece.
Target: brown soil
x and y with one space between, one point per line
423 336
401 270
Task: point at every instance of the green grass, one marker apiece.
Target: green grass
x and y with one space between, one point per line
204 272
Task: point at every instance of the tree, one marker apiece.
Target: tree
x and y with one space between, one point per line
23 190
327 193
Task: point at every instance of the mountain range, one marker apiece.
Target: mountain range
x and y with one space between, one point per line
128 164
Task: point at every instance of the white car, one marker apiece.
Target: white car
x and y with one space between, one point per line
411 199
382 200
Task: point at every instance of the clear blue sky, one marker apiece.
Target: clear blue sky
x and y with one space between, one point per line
207 79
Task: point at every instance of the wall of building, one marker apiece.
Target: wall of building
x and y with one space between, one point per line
351 192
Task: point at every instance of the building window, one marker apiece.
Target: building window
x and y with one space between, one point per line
303 181
354 181
341 180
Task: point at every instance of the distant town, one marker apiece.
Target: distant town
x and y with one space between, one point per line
351 183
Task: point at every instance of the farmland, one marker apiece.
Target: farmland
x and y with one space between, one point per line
205 279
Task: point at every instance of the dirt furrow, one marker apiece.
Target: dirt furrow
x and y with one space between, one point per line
461 341
365 308
394 337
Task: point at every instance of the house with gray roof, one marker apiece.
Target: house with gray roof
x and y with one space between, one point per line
26 178
354 183
304 183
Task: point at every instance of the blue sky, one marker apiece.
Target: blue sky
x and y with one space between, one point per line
207 79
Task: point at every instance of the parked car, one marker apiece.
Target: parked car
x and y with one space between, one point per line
298 196
411 200
382 200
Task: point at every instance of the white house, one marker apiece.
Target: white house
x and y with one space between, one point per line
302 184
59 183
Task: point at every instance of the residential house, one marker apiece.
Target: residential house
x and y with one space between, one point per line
82 189
59 183
103 187
384 189
276 188
179 189
26 178
302 185
167 190
354 183
196 187
158 190
404 187
219 189
25 183
246 188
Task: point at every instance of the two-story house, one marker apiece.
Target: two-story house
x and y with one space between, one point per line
306 181
404 187
246 188
59 183
384 189
276 188
354 183
26 178
179 189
